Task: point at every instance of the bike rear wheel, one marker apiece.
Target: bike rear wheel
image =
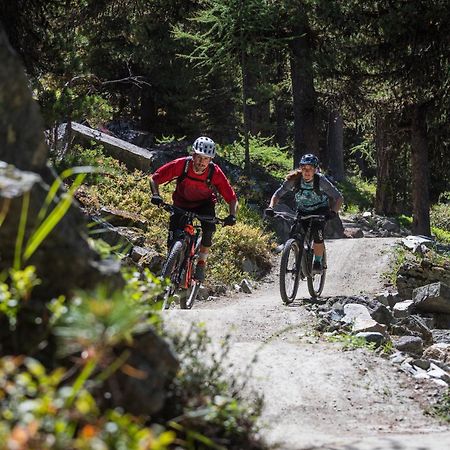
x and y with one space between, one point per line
289 270
171 270
316 282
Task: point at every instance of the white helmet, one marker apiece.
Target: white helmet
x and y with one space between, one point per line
204 146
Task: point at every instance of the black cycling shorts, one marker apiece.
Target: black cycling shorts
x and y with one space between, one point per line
318 227
177 222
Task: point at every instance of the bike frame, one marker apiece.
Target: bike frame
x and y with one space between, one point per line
301 235
187 241
192 233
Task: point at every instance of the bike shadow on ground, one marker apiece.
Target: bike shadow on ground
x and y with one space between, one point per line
307 300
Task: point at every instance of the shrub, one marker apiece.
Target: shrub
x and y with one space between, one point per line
440 216
130 191
359 194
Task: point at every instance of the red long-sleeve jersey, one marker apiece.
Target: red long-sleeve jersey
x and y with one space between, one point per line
193 191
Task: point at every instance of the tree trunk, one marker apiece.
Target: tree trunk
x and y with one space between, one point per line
279 101
335 146
306 138
246 111
420 172
385 198
148 112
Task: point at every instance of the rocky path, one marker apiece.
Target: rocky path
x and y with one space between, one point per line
316 395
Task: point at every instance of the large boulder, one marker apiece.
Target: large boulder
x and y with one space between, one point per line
64 261
140 384
434 298
21 127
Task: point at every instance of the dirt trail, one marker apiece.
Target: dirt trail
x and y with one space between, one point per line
317 396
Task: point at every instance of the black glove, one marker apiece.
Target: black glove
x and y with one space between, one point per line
229 221
269 212
157 200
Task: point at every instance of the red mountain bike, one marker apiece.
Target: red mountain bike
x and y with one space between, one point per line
181 260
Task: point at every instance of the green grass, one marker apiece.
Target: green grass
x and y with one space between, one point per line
442 234
359 194
400 254
442 408
351 342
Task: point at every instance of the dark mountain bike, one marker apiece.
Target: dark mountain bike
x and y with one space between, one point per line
298 257
181 260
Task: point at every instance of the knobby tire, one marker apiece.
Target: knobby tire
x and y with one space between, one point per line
171 270
186 302
290 270
316 282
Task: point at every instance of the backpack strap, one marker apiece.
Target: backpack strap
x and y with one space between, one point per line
183 175
316 184
211 168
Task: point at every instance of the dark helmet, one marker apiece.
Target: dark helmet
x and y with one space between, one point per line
309 159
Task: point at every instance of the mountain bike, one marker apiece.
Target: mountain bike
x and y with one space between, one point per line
182 258
298 257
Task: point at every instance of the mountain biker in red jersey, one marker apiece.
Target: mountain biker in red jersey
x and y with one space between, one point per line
314 194
198 182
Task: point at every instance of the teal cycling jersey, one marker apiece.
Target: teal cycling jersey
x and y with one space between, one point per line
306 197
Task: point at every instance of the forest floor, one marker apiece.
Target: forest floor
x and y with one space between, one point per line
317 396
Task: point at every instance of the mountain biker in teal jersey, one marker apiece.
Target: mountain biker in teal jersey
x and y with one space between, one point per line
314 194
198 182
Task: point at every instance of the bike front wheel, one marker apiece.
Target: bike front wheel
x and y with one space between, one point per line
188 301
316 282
171 270
289 270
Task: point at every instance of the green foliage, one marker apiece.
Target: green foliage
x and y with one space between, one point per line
399 257
440 216
351 342
275 160
442 408
440 222
15 289
93 157
131 192
405 221
100 319
59 409
169 139
59 102
444 197
441 235
215 382
359 194
231 247
39 411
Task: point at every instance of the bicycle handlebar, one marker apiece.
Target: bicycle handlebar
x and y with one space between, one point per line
172 209
297 216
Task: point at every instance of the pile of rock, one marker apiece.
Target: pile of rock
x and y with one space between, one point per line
417 272
367 224
418 329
